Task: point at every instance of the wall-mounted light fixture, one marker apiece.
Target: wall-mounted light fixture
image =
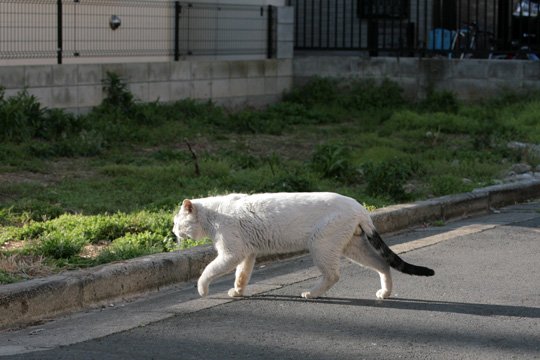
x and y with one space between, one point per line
115 22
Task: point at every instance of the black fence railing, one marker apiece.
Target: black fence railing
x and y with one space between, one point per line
112 28
453 28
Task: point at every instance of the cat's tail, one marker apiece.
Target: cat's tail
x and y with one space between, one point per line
393 259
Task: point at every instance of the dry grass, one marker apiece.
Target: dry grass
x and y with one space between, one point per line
92 251
24 266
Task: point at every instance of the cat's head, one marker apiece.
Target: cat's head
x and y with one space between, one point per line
186 223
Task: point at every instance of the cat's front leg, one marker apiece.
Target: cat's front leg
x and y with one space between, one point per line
219 266
243 274
202 286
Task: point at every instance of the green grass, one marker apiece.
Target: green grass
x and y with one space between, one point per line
77 191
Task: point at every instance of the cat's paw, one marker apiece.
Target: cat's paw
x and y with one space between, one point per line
202 288
235 293
308 295
383 294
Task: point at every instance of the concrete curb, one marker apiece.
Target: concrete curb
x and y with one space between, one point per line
39 299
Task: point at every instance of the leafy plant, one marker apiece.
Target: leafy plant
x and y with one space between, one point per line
368 95
333 161
58 245
189 243
387 178
7 277
20 116
133 245
439 101
294 181
317 90
448 184
117 94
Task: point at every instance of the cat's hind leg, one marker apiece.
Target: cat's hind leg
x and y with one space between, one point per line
360 251
326 251
328 280
243 274
220 266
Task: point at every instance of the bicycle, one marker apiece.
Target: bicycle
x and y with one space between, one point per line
518 52
466 39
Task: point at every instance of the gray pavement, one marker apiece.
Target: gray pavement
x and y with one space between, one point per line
482 303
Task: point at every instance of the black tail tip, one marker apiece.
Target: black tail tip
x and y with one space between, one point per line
426 272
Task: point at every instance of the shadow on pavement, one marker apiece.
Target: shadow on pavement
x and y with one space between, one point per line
419 305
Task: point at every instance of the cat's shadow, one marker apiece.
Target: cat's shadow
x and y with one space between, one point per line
415 304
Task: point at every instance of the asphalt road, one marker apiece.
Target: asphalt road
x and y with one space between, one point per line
482 303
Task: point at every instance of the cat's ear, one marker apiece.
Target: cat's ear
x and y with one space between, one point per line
188 206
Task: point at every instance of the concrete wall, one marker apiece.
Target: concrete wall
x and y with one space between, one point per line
78 87
235 83
469 79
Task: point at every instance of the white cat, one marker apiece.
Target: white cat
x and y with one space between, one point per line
327 224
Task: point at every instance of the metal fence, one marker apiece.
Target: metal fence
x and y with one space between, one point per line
111 28
453 28
206 29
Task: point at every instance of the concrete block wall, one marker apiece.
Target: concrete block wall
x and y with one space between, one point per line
468 79
237 83
78 87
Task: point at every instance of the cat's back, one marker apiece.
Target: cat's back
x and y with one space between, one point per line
307 204
299 197
314 202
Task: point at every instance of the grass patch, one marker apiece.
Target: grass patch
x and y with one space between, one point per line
77 191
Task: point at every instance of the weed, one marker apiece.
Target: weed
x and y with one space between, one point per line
133 245
387 178
448 184
333 161
295 181
357 95
317 90
65 236
189 109
117 95
368 95
276 119
8 277
438 223
439 101
58 245
20 116
377 154
189 243
31 207
171 155
274 162
17 267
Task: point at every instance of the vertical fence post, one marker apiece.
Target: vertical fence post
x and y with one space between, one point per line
270 37
177 11
60 31
373 37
